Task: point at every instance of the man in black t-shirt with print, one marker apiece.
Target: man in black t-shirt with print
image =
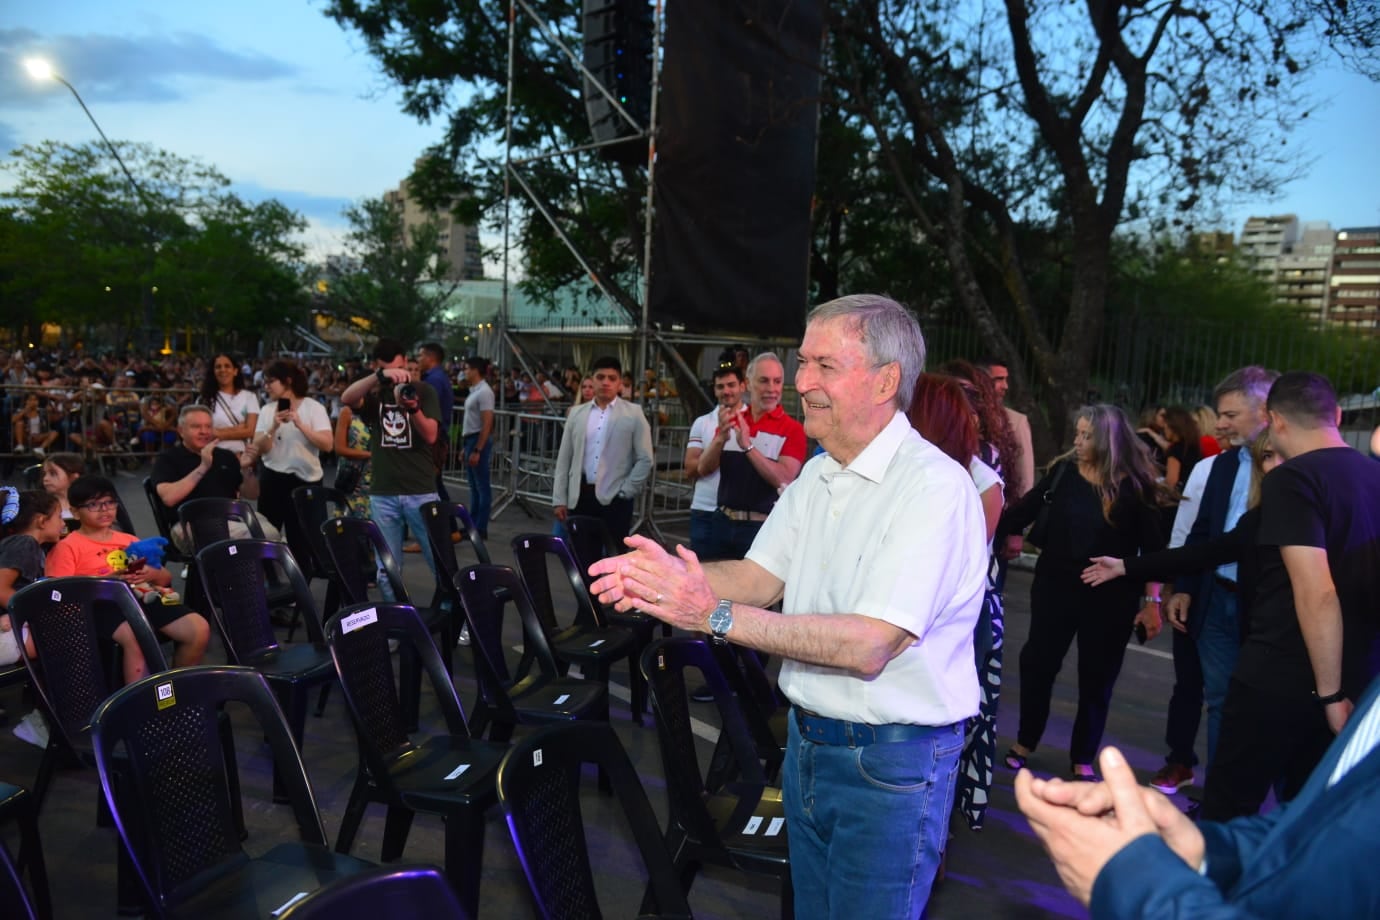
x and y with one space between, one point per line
1312 645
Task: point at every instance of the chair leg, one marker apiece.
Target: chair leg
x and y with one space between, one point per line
295 708
354 813
637 685
46 766
31 858
464 856
396 826
321 700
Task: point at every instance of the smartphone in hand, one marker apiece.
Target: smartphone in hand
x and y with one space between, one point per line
1141 634
284 404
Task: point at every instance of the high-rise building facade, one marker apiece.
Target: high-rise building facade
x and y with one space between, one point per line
459 240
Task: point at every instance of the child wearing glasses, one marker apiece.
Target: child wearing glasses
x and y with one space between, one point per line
97 549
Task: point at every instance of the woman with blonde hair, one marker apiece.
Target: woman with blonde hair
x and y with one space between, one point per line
1103 498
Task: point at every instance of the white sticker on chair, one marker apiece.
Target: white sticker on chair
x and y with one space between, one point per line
561 699
774 826
453 774
358 620
56 596
234 551
289 902
753 824
536 757
526 544
596 643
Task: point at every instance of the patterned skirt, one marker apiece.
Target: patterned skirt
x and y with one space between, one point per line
975 766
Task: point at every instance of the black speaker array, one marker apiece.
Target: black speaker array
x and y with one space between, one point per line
618 52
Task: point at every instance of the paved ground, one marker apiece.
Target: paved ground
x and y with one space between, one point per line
1000 872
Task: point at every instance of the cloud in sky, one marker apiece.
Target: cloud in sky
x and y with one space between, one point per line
9 139
323 208
130 68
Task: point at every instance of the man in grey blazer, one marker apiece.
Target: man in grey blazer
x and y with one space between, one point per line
605 455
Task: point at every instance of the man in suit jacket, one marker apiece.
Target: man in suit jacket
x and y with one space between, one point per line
1126 851
1205 605
605 455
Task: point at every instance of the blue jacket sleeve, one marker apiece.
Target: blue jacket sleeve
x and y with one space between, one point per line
1147 880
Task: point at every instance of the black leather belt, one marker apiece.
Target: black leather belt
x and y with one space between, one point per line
823 730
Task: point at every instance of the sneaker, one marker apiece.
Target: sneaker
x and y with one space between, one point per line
1172 777
39 452
33 729
464 635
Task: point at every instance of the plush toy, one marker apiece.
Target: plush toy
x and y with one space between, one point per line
151 550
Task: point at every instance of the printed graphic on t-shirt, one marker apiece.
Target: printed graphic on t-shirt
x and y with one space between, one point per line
394 427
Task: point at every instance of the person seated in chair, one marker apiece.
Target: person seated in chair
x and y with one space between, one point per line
196 467
97 549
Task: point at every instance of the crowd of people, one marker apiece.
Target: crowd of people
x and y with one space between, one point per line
873 568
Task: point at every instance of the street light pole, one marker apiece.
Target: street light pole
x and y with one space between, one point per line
40 69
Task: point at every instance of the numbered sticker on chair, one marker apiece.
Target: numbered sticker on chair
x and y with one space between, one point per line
166 698
56 596
359 620
458 771
596 643
774 826
234 551
753 824
526 544
561 699
536 757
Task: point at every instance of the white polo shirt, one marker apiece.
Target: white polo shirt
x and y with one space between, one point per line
706 495
897 535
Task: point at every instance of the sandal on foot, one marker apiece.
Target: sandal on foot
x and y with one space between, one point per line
1014 760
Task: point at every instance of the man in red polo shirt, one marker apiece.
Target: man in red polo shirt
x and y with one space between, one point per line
758 451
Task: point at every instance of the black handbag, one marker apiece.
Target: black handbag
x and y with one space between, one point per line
347 476
1039 530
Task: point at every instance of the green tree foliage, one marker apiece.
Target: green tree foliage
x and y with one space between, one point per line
82 245
400 288
450 59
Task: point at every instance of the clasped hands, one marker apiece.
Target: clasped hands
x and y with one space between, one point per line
674 589
1083 825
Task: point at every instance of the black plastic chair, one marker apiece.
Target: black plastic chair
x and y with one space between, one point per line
314 506
165 518
762 710
354 546
175 802
409 776
207 521
538 786
17 805
233 573
541 696
587 641
73 674
707 825
397 893
70 674
590 542
438 517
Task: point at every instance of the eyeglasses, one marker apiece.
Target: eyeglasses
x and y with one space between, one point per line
99 506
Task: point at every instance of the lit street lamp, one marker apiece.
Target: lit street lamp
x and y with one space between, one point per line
39 69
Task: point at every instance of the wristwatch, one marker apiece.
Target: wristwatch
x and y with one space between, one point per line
1147 599
721 621
1320 700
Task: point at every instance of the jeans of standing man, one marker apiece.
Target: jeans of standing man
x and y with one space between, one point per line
1185 702
1219 644
868 824
391 513
481 488
707 537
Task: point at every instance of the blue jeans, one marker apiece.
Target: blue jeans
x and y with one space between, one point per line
1219 644
391 512
481 489
707 534
868 824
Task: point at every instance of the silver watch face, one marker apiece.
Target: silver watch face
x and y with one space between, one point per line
722 618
